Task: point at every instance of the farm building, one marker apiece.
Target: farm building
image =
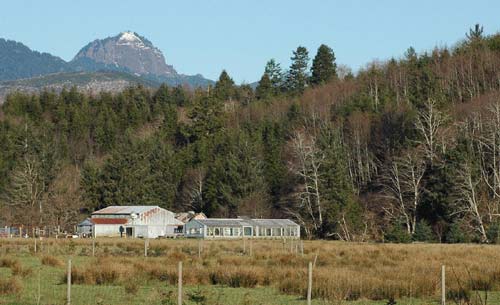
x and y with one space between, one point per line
241 227
131 221
185 217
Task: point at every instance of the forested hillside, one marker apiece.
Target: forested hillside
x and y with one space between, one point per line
406 149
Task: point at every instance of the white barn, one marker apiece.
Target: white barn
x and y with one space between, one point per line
230 228
134 221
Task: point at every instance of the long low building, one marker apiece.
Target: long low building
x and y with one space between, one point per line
241 228
131 221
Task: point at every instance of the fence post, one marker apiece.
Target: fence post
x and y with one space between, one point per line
68 293
302 247
199 248
35 243
309 283
250 247
179 292
145 247
93 247
244 245
443 285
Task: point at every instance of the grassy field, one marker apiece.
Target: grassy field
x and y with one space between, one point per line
245 272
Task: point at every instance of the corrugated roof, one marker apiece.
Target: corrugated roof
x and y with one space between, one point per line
274 222
126 209
109 221
224 222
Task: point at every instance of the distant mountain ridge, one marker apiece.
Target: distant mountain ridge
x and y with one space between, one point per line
18 61
127 52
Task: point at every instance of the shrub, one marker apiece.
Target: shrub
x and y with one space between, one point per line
9 262
131 287
458 295
10 286
18 270
456 234
423 232
397 234
53 261
493 233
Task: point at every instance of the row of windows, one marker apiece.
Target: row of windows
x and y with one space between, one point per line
247 231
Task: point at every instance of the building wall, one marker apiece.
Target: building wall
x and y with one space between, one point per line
194 229
107 230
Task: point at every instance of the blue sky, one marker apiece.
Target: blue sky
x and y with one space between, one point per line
207 36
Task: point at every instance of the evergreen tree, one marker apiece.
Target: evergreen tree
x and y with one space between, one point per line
207 117
179 97
264 89
297 76
224 89
275 74
323 67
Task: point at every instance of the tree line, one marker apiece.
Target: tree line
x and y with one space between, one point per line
404 150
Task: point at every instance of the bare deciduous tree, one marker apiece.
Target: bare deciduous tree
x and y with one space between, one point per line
403 185
308 162
429 123
468 201
25 193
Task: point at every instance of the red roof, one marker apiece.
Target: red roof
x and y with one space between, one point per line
109 221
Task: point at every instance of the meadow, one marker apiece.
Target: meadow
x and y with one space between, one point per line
267 272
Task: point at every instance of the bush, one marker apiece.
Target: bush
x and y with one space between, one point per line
458 295
234 279
8 262
397 234
10 286
423 232
131 287
493 233
456 234
52 261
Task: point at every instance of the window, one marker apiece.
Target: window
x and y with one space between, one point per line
217 232
227 231
247 231
210 232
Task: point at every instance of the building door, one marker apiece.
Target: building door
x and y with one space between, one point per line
130 232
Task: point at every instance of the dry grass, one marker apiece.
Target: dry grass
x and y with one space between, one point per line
343 271
10 286
49 260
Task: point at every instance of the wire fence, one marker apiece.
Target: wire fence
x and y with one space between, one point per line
131 271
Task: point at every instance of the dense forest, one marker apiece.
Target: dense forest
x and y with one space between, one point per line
404 150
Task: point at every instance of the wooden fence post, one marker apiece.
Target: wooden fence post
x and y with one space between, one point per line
302 247
199 248
93 247
145 247
68 292
244 245
35 243
443 285
309 283
179 292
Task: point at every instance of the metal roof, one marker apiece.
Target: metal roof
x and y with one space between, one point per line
274 222
238 222
224 222
126 209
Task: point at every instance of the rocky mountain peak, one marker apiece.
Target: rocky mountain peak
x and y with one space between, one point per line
127 51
